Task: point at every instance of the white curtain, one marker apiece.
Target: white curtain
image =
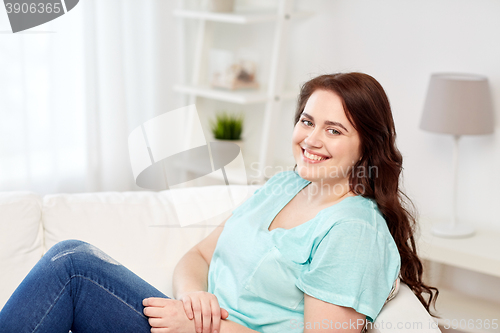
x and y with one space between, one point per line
42 142
73 89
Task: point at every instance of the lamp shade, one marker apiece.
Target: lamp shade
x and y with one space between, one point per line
458 104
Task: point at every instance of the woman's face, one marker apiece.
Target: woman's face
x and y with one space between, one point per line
324 130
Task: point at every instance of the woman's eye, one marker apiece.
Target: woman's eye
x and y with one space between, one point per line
304 121
334 131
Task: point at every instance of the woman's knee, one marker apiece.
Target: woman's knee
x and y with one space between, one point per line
67 249
72 247
66 246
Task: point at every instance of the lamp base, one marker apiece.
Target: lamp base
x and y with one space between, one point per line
447 230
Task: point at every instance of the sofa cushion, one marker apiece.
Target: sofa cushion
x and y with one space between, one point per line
21 244
138 229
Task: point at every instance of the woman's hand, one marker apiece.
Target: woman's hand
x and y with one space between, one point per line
167 315
204 308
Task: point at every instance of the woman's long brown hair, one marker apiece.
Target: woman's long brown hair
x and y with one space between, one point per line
367 108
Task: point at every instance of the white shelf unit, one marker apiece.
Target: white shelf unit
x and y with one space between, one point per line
272 96
479 253
238 97
244 17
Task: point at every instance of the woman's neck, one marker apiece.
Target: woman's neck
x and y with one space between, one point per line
318 194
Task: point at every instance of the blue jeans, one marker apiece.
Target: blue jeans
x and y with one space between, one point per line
77 287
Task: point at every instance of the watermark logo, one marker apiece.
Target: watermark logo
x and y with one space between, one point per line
170 152
26 14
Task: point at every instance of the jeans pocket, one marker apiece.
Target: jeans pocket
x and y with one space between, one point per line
274 280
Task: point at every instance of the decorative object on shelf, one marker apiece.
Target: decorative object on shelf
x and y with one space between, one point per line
230 70
457 104
221 6
228 127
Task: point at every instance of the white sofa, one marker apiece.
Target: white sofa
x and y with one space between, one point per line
130 227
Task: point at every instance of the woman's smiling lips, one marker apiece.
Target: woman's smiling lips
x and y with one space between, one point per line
312 161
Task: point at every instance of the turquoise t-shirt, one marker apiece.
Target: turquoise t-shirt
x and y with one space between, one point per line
345 256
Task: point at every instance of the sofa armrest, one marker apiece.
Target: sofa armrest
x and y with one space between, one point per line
21 242
404 313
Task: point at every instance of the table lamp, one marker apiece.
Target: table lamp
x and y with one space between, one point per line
457 104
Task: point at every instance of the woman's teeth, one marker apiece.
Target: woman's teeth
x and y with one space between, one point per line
313 157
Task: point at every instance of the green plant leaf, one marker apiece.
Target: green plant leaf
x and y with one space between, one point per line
227 126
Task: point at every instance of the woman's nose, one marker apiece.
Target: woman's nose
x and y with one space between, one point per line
313 139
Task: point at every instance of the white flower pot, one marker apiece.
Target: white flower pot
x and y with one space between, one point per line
238 142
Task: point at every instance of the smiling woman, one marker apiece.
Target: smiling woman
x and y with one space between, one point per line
347 120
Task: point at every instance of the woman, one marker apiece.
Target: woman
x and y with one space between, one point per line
322 244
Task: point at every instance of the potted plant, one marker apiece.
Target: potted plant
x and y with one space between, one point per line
227 127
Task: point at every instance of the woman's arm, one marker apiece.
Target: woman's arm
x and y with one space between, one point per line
191 272
190 285
330 317
227 326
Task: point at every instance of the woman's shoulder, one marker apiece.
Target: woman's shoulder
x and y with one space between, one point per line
357 210
366 226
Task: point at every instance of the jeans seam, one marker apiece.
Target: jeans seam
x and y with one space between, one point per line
97 284
51 306
94 282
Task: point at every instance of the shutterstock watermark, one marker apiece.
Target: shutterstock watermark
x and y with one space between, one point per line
335 171
331 171
26 14
329 176
327 324
323 188
170 152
